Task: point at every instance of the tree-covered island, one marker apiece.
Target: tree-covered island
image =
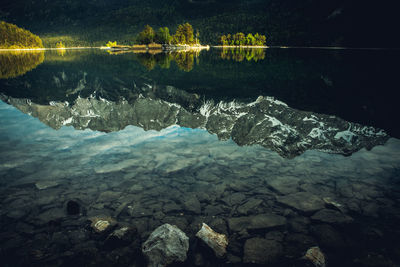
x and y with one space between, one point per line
148 38
240 39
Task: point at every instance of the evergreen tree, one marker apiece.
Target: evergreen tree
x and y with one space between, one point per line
147 36
163 36
184 34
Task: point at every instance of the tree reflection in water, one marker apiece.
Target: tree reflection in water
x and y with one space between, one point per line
17 63
240 54
184 60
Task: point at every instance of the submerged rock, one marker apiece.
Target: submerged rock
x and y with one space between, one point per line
261 251
331 216
316 256
45 184
102 223
73 207
218 242
120 237
166 244
302 201
261 221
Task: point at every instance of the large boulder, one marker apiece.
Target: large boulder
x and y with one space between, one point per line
166 244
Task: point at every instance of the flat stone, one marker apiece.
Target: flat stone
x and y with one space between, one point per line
302 201
285 185
138 211
171 207
51 214
261 251
261 221
331 216
213 210
234 199
192 205
108 196
327 236
45 184
249 205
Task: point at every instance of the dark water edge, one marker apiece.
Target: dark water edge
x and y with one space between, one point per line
185 177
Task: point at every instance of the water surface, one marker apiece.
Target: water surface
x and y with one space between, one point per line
284 149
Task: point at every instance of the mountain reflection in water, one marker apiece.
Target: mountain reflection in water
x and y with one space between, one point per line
266 121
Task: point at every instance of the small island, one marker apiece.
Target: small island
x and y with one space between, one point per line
161 40
13 37
242 40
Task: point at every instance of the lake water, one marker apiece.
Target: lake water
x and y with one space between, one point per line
281 150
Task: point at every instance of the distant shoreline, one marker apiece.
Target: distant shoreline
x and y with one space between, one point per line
43 49
240 46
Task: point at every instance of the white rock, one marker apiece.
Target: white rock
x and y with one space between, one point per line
218 242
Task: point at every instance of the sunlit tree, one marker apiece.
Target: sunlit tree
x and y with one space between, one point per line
163 36
146 36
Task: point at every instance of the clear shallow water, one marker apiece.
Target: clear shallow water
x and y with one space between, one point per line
182 176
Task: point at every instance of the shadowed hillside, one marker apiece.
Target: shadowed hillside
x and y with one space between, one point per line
284 22
14 37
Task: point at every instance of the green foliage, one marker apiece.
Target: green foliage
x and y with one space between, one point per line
184 34
163 36
111 44
17 63
240 39
147 36
60 45
13 37
240 54
184 60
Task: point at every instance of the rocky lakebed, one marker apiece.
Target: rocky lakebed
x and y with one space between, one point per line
182 197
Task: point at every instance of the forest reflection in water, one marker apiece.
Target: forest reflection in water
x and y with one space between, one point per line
185 60
17 63
239 54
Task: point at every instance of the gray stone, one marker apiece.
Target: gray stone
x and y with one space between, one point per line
261 251
234 199
192 205
120 237
302 201
331 216
108 196
45 184
275 235
165 245
285 185
248 206
171 207
138 211
261 221
327 236
213 210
